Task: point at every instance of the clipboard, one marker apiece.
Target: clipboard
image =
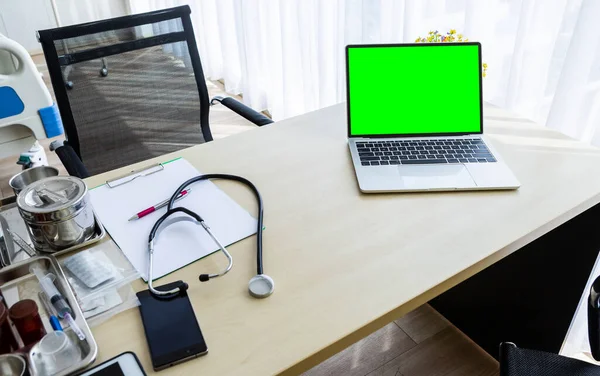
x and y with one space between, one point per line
134 174
180 243
138 173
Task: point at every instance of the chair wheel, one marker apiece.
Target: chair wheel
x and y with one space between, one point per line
69 85
104 72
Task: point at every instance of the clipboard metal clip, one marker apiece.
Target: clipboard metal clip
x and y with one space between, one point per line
130 176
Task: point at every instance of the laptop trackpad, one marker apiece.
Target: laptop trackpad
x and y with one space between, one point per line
436 176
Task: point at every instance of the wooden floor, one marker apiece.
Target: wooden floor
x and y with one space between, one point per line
422 343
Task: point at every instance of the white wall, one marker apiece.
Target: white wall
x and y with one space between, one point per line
20 19
2 27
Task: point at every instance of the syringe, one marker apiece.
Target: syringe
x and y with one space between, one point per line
56 299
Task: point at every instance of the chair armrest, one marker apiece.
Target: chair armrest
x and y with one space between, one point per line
506 348
593 306
243 110
69 159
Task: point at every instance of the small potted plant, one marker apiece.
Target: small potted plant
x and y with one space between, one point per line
450 37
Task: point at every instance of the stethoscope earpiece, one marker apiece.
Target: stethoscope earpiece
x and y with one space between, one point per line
261 286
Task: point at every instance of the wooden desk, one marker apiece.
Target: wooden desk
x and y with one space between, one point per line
345 263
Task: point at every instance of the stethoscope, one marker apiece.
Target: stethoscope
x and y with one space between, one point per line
260 286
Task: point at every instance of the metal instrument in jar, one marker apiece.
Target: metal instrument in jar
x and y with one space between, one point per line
57 212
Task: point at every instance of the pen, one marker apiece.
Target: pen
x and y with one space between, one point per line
161 204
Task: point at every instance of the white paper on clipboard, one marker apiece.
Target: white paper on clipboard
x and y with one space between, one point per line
182 242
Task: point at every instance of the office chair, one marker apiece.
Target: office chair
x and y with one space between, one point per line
515 361
130 88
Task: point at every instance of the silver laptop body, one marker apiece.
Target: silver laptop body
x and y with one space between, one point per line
430 162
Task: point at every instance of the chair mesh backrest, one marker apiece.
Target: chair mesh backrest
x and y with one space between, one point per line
516 361
147 105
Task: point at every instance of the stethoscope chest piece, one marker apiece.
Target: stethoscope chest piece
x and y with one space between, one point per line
261 286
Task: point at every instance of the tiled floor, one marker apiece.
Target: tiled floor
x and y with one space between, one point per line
421 343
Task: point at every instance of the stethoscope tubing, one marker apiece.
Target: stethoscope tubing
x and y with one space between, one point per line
248 183
171 210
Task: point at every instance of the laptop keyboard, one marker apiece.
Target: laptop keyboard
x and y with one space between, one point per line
438 151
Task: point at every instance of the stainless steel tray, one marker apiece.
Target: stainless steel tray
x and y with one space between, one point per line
19 273
11 218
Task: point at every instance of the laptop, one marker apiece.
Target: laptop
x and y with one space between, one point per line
415 119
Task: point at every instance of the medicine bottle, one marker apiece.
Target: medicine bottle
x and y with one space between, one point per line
26 317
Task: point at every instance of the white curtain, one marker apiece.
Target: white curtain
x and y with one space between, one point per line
287 56
79 11
19 20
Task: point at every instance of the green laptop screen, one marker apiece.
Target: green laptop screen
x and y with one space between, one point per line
410 90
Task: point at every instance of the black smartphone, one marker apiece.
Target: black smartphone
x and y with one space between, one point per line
172 331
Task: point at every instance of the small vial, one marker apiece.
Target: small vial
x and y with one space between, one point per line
8 343
26 317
